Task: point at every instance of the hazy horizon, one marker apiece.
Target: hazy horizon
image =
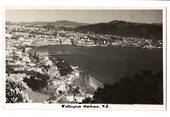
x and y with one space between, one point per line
83 16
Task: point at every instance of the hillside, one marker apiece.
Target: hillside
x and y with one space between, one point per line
60 23
123 28
143 88
65 23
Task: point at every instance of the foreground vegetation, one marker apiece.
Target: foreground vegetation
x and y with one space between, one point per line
146 88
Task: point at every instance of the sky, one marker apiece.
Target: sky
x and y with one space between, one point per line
84 16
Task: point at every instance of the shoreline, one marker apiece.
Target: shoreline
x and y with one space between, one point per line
74 58
94 47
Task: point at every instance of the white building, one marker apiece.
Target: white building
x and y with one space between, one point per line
62 87
70 97
66 41
79 97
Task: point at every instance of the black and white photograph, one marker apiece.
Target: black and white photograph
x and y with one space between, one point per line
84 56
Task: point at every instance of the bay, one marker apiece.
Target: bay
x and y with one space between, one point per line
108 64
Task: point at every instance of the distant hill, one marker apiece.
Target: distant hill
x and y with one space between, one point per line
123 28
60 23
65 23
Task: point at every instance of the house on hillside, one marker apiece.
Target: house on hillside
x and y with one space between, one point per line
70 97
79 97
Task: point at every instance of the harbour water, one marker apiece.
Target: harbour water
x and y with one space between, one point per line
108 64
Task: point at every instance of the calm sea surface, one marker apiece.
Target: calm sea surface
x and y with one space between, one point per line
109 64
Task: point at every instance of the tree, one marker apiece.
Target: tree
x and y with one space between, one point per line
141 89
15 92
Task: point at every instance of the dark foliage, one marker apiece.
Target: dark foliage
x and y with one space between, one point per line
63 66
142 89
37 81
12 94
49 27
9 69
35 84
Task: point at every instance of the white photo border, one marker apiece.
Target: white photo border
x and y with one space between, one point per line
111 106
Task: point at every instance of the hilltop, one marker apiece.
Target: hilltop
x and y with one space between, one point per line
124 28
60 23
